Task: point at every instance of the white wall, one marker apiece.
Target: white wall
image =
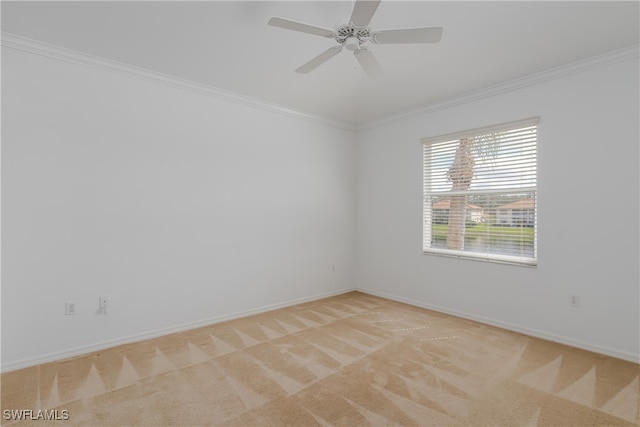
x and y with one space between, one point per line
181 207
185 208
588 214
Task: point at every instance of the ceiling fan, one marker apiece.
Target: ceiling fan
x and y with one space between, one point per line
355 33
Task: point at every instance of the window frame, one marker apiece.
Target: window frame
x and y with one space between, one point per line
428 211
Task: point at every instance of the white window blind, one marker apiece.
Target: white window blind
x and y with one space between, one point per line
480 197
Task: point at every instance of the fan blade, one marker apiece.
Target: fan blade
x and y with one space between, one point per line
319 60
408 35
304 28
368 62
362 13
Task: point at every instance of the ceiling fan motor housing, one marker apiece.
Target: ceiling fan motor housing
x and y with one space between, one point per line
352 38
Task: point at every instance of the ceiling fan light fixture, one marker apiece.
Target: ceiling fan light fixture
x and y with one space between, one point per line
352 43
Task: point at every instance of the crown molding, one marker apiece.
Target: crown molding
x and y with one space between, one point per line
56 52
36 47
613 57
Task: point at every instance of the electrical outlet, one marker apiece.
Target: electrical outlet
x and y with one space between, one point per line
70 308
574 301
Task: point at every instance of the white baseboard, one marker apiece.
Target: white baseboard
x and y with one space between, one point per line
52 357
619 354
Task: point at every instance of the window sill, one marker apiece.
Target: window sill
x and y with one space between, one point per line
498 259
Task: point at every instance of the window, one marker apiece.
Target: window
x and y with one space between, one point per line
480 198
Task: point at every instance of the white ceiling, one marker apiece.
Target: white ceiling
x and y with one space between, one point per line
229 46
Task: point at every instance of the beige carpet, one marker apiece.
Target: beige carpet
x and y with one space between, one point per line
350 360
